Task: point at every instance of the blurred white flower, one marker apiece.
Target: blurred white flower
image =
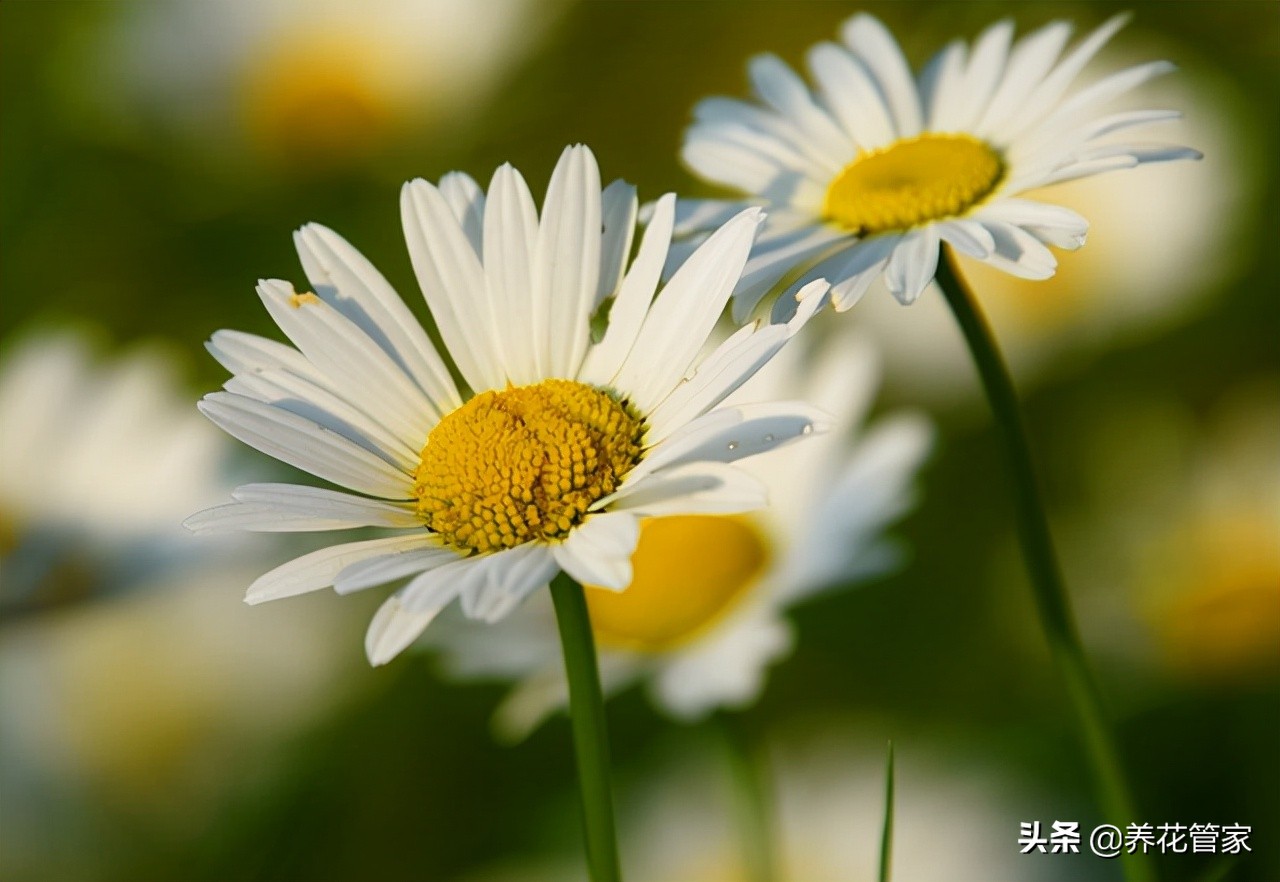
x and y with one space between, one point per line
101 461
950 822
318 81
704 615
161 707
1179 549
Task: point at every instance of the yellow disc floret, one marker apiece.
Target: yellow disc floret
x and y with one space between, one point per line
524 464
688 571
912 182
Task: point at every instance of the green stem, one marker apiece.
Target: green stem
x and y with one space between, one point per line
1052 605
590 732
752 805
886 832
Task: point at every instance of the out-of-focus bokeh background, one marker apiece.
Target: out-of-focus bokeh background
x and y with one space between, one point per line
154 158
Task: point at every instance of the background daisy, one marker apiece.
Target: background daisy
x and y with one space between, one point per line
102 459
564 444
870 171
705 615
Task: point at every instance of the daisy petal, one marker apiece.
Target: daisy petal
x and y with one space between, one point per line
873 43
598 553
683 315
1029 63
274 508
466 200
389 567
405 615
778 86
912 264
631 306
732 363
852 96
344 278
618 217
304 444
510 246
452 281
522 571
319 569
694 488
567 261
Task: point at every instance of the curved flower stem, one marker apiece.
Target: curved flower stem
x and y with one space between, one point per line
752 805
1052 605
590 732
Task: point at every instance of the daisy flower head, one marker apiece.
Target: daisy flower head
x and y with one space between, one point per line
869 171
705 613
561 444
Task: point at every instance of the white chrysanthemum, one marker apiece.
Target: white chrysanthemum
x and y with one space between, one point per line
869 172
563 446
705 613
102 459
307 80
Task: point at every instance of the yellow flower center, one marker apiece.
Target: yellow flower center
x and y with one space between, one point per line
524 464
689 570
912 182
319 100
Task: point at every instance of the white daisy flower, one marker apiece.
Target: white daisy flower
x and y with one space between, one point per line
102 460
306 81
563 445
870 171
704 615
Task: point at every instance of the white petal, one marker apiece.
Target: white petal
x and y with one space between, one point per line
318 569
520 572
351 363
850 94
453 283
876 47
627 314
618 218
568 261
730 365
1029 63
1029 213
242 353
599 552
296 508
986 64
684 313
1045 96
778 86
389 567
731 433
1019 253
313 400
1087 100
912 264
776 255
510 246
693 488
466 199
966 236
696 215
405 615
344 278
940 82
305 445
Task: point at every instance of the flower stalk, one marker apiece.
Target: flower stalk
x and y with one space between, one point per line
753 812
1053 607
590 731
